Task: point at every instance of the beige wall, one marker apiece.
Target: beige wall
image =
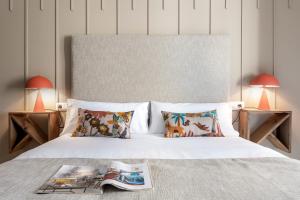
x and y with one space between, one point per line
287 63
35 36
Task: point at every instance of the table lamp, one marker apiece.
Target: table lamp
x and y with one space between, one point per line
264 81
38 82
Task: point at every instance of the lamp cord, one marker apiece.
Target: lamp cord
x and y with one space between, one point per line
60 118
237 119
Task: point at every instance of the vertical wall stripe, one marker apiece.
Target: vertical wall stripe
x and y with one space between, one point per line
25 50
117 17
11 5
71 5
41 5
225 4
56 48
274 70
86 17
178 17
194 4
101 5
210 17
273 35
257 4
132 7
147 17
163 4
241 98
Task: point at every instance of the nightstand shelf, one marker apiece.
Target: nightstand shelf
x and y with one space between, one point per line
23 129
277 128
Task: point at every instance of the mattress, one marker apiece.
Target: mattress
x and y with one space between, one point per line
149 146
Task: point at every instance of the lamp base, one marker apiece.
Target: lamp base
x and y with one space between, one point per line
264 101
39 104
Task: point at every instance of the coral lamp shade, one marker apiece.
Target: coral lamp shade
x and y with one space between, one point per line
264 80
38 82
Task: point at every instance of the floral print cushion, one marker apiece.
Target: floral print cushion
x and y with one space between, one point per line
102 123
191 124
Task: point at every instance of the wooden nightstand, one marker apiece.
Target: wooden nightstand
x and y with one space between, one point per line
28 127
277 128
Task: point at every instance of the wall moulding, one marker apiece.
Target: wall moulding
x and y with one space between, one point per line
42 5
72 5
11 5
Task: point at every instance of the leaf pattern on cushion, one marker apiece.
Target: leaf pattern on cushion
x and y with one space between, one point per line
103 123
192 124
202 126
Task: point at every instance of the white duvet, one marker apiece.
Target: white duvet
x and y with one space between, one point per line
149 146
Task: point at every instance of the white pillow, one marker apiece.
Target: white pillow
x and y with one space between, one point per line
139 123
224 112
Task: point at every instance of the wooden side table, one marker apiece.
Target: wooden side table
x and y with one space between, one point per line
23 129
277 128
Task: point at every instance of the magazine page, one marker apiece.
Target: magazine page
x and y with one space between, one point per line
128 176
75 179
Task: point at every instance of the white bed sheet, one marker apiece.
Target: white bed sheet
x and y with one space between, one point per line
149 146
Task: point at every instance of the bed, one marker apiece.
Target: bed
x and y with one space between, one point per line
223 168
181 168
150 146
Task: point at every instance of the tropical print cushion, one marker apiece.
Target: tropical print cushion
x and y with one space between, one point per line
192 124
102 123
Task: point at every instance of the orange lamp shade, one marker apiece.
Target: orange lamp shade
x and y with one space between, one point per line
38 82
264 81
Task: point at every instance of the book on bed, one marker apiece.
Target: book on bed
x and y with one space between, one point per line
86 179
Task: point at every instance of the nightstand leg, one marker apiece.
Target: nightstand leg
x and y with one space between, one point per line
244 126
53 125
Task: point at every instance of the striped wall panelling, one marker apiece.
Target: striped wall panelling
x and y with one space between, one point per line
132 17
50 23
12 59
257 45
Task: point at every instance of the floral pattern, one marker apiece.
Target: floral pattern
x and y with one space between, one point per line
102 123
192 124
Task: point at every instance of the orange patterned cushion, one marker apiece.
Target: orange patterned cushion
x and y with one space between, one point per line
192 124
103 123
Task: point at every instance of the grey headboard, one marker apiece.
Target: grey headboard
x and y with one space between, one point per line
134 68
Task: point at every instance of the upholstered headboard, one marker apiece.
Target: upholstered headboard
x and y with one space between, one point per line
133 68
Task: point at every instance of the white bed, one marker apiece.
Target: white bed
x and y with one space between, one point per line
181 168
149 146
110 63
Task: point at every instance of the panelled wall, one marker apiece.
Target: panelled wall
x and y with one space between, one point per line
35 39
287 63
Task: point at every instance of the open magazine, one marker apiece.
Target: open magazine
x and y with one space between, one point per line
86 179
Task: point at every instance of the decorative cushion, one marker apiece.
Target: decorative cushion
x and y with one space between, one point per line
103 123
138 125
192 124
224 111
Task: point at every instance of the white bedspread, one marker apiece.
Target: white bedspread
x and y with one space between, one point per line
149 146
